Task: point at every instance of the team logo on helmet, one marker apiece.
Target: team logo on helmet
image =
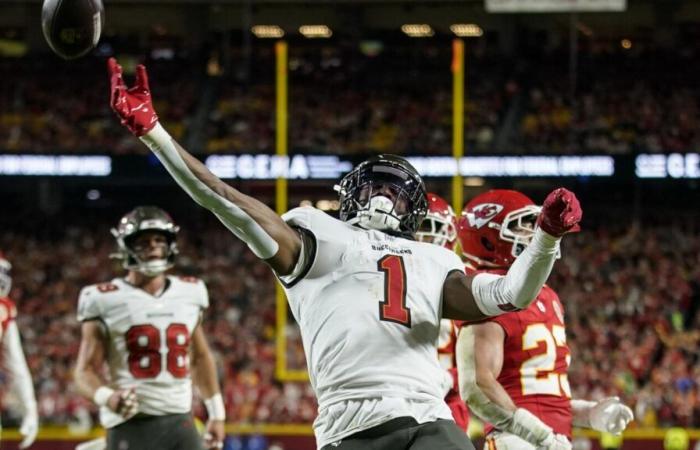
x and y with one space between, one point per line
482 214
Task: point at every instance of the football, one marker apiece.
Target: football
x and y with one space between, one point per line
72 27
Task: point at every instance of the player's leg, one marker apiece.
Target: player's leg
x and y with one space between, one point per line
170 432
392 435
185 435
497 440
441 434
138 433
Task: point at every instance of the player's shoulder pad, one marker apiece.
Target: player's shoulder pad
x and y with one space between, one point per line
310 218
90 297
194 285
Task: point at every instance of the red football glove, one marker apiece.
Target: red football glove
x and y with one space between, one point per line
561 213
132 105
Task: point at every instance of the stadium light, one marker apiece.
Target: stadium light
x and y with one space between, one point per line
315 31
267 31
466 30
417 29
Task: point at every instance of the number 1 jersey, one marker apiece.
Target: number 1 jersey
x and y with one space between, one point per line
369 309
149 340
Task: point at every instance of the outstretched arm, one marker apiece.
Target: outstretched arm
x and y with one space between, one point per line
473 298
267 235
479 355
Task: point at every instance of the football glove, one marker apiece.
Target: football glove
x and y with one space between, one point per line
132 105
561 213
610 415
29 428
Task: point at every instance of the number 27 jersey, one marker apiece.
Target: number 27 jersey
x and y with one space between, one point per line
148 340
536 360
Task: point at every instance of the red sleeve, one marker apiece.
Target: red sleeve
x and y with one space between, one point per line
8 312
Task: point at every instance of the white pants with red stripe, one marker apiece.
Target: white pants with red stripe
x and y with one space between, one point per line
498 440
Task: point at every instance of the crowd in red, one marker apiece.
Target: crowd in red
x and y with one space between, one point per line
631 296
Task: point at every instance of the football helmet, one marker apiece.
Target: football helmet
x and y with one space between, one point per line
141 219
5 278
384 193
440 224
495 227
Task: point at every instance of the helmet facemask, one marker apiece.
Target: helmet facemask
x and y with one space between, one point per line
519 228
5 278
383 196
437 230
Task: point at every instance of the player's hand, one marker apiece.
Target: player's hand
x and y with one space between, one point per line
132 105
610 415
29 429
555 442
214 435
124 402
561 213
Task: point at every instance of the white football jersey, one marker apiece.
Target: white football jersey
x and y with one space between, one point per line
149 340
369 310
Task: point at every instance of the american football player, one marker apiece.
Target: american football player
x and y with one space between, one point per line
440 227
13 358
147 327
513 368
368 298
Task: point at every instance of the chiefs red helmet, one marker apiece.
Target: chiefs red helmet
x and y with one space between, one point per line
5 278
440 224
495 227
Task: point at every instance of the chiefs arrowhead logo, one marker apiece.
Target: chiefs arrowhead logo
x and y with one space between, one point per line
482 214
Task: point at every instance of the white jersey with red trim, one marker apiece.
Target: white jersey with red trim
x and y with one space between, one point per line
149 340
369 309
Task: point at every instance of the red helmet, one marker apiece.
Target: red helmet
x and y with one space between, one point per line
5 278
440 224
495 227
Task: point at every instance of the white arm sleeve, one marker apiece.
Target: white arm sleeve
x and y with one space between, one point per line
233 217
496 294
16 365
520 422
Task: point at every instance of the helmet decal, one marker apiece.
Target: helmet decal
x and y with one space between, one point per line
482 214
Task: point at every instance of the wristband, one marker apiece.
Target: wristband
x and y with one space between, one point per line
215 407
102 395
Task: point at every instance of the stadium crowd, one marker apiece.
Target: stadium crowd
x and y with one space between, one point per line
347 100
631 295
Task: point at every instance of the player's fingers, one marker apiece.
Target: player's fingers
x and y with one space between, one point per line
142 77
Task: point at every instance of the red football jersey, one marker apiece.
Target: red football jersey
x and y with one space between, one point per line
446 352
8 312
536 361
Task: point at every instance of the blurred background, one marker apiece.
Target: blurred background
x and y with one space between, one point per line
599 96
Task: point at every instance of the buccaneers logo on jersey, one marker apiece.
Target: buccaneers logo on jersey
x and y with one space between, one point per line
482 214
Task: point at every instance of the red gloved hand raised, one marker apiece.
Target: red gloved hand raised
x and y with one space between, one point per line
132 105
561 213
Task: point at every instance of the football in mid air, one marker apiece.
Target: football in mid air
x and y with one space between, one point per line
72 27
